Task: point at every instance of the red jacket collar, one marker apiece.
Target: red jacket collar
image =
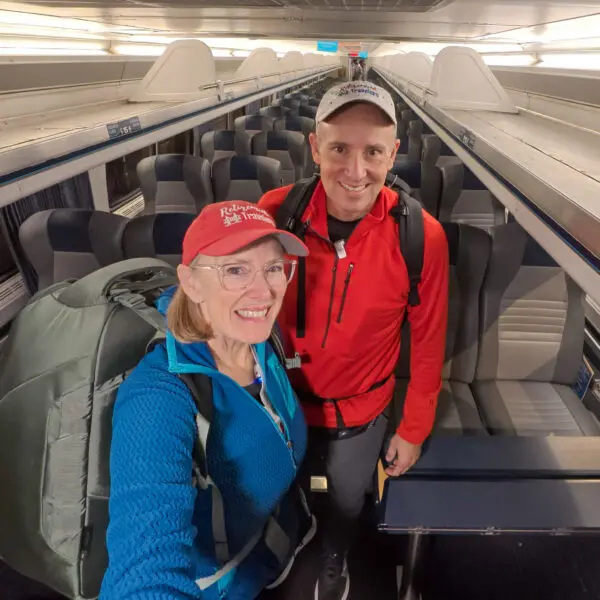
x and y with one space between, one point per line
316 212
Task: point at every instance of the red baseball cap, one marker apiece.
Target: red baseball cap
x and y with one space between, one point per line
226 227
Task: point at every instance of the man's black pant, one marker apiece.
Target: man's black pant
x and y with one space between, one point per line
349 464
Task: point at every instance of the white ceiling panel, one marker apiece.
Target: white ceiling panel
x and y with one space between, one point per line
348 5
386 20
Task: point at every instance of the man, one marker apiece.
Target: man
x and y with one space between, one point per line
345 315
357 72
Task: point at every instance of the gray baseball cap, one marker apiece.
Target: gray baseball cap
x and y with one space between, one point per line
356 91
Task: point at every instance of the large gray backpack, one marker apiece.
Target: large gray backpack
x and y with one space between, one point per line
66 355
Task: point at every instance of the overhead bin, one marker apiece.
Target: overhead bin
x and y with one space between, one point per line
178 93
546 172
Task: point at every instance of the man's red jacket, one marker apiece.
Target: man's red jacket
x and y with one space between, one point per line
354 310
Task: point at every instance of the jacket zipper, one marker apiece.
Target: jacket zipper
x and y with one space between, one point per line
334 272
285 437
346 284
285 434
335 266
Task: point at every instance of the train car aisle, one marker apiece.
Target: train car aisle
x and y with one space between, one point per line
456 568
372 564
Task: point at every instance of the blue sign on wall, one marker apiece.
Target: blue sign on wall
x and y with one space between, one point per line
327 46
363 55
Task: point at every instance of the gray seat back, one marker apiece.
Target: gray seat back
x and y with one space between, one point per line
157 236
424 179
69 243
304 125
307 111
411 143
532 314
446 155
405 116
465 199
289 123
292 104
254 124
175 183
245 177
274 112
302 98
469 250
288 147
430 148
224 142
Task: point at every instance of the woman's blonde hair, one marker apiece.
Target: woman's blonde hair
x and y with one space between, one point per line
185 320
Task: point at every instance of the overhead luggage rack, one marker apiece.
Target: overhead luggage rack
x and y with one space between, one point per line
546 172
175 96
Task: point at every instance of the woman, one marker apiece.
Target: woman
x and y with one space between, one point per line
238 529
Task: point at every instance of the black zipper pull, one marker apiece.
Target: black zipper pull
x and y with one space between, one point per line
331 297
349 273
346 285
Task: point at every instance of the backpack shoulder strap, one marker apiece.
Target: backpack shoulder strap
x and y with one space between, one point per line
394 182
289 218
409 216
201 389
276 340
290 212
200 386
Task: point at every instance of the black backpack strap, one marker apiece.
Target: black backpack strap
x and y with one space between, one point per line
409 215
289 214
276 340
200 387
395 183
289 218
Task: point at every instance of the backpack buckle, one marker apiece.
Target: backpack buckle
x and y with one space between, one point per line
130 300
293 363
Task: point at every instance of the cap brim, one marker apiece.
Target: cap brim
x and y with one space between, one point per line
235 242
335 107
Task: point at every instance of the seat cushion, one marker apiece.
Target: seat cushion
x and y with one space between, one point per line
532 408
456 413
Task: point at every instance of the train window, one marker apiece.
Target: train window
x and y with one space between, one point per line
179 144
240 112
253 107
8 267
121 176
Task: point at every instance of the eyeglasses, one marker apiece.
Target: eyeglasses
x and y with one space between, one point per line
235 277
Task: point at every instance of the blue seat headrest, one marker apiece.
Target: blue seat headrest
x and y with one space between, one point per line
243 167
169 167
409 171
